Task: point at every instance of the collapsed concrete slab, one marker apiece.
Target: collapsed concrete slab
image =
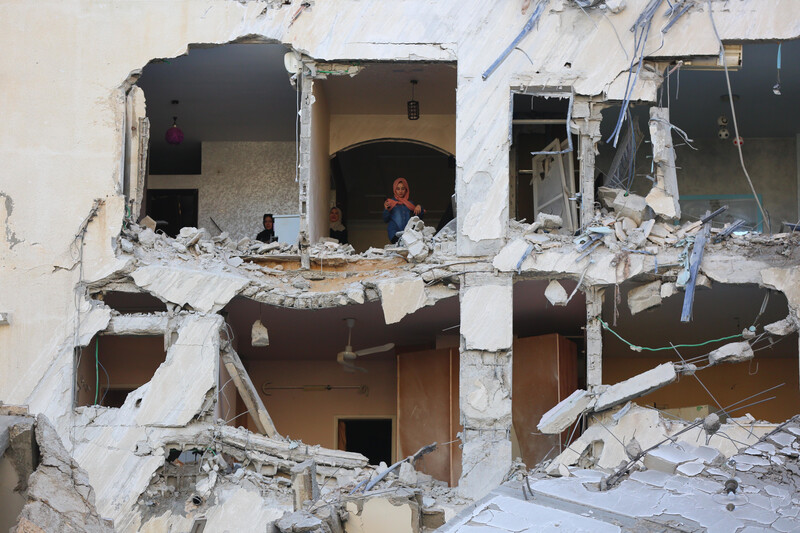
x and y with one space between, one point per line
563 414
636 386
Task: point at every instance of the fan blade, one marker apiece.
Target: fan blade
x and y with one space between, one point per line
375 349
348 367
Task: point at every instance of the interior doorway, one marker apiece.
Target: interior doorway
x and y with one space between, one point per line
371 437
172 209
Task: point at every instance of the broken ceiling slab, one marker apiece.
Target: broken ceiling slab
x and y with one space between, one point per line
138 324
204 291
638 385
401 297
782 327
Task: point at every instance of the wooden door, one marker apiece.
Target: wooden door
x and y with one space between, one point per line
427 410
544 372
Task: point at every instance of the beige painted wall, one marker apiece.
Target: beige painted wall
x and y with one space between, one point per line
240 181
438 130
309 416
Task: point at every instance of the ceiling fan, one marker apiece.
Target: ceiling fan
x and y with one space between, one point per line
347 357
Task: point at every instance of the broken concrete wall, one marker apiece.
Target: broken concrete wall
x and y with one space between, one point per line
240 181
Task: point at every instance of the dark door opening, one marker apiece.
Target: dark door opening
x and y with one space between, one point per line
172 209
371 437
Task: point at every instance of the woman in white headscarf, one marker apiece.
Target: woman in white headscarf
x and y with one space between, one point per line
338 231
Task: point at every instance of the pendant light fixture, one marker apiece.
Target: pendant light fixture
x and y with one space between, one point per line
413 105
174 134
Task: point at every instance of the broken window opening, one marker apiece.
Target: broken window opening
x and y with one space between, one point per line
237 151
111 367
544 173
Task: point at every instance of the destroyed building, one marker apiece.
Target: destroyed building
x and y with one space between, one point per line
611 193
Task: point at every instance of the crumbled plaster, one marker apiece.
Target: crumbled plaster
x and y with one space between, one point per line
400 298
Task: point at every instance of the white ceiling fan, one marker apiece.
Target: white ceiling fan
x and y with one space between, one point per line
347 357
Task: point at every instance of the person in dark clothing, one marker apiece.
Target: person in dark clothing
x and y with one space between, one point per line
337 231
268 235
398 211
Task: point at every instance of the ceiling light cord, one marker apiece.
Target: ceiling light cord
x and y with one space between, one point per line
735 124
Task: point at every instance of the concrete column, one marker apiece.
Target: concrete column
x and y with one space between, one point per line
306 83
594 337
586 118
485 381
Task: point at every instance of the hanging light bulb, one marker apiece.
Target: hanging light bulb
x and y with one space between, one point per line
174 134
413 105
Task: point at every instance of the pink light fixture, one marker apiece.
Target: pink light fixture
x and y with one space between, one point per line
174 134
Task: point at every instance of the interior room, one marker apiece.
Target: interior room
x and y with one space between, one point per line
229 143
235 158
709 172
409 391
719 312
377 135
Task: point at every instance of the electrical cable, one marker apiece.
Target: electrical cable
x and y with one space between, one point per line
636 348
96 369
735 124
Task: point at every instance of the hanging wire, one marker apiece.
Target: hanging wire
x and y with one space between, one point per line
735 123
636 348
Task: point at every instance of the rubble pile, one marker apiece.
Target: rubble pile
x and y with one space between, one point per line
307 488
743 476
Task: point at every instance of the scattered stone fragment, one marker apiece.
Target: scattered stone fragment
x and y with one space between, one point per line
259 336
644 297
734 352
556 294
781 327
636 386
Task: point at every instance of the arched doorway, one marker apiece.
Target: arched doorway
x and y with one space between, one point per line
362 177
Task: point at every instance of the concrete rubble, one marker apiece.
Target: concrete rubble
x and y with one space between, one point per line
745 481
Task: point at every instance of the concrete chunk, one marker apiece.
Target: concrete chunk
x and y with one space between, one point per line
631 206
781 327
565 412
636 386
666 458
304 483
734 352
259 336
556 294
644 297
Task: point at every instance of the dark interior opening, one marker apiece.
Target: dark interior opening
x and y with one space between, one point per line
172 209
371 437
113 366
